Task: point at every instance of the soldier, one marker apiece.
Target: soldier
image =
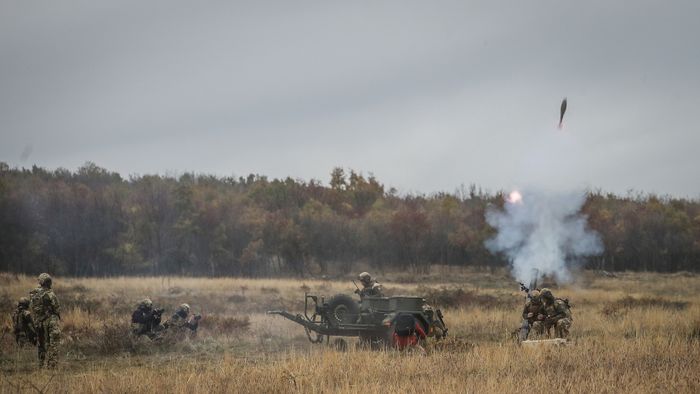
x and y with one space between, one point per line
370 287
436 326
23 324
46 312
408 333
180 320
145 320
557 314
534 314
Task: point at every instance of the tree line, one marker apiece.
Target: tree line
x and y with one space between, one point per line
93 222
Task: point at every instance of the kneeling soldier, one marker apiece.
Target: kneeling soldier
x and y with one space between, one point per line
145 320
179 321
558 314
533 315
23 324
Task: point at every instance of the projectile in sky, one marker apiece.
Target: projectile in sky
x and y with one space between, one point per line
562 111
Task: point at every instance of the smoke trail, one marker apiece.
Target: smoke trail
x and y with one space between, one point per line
542 232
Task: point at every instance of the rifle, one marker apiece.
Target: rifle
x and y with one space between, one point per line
444 327
357 291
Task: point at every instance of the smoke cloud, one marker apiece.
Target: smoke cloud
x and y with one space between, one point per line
542 234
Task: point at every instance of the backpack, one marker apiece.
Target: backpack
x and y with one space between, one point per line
36 298
405 325
565 301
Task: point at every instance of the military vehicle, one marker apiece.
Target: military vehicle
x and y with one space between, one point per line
373 319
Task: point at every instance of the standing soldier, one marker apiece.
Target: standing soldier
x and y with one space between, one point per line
558 314
46 311
23 324
370 287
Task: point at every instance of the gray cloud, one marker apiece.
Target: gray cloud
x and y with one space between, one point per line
427 95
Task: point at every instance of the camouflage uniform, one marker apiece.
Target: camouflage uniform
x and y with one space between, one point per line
47 312
558 314
436 325
23 324
370 287
145 320
534 314
179 321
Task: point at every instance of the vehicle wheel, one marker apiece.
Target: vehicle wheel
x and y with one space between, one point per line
342 309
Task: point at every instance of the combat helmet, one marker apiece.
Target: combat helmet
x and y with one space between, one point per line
185 308
44 280
546 294
365 277
146 303
23 303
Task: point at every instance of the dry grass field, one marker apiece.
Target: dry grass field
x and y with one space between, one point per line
632 333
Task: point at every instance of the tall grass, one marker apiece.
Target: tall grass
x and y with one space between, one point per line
634 333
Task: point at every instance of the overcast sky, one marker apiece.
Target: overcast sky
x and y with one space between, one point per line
427 95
